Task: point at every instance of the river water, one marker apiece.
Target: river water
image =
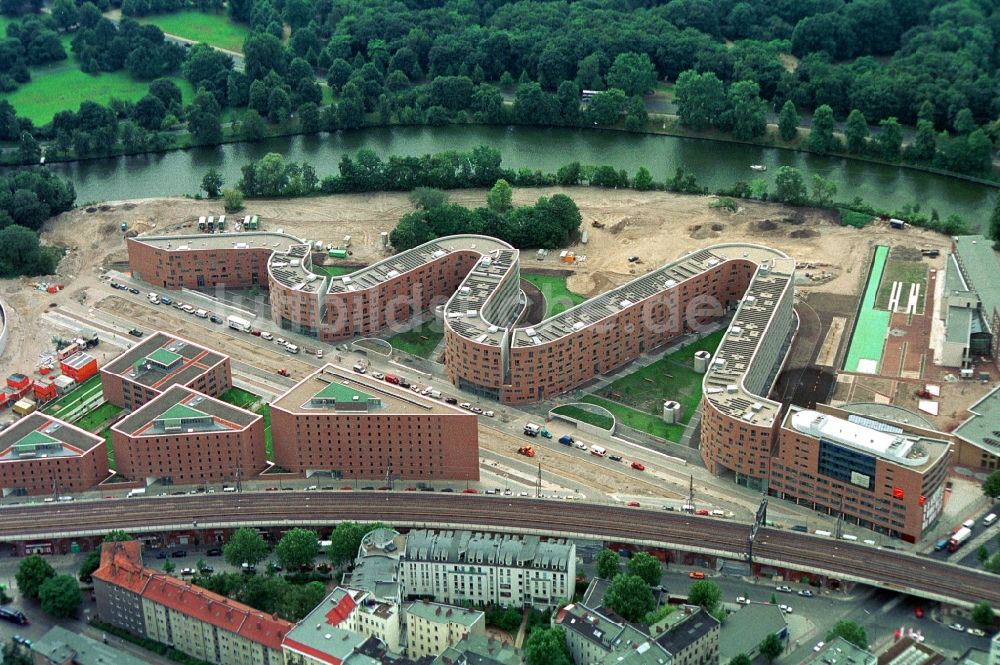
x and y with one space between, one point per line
715 164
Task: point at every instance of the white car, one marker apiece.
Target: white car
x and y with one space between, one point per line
488 414
466 406
266 335
280 341
187 571
742 600
976 632
580 445
378 375
476 409
784 588
787 609
819 646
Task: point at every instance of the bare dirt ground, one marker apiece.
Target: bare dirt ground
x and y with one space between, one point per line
655 226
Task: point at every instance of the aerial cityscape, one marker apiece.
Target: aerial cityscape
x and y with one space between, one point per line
431 332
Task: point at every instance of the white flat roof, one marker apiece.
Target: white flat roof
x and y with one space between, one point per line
894 447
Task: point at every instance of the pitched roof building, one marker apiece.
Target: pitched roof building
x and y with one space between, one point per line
177 613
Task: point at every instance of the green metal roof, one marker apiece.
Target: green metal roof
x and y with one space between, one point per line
178 411
983 428
35 438
982 269
439 613
342 393
163 357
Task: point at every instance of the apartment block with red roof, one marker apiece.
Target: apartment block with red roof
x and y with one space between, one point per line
160 361
177 613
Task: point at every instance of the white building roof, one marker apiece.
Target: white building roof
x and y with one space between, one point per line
894 447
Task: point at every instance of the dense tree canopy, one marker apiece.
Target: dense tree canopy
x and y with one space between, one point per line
630 596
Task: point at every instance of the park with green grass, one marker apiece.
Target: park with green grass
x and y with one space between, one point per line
558 297
636 399
213 29
62 86
420 341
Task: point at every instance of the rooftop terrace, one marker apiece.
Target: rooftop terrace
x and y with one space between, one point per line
37 436
162 360
334 390
181 410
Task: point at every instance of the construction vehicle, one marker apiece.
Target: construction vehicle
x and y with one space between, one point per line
923 393
597 225
282 372
930 253
527 451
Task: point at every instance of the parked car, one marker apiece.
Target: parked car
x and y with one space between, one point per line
819 646
638 466
135 332
784 588
451 400
489 414
266 335
476 410
956 626
567 440
466 406
696 575
166 300
206 570
787 609
162 554
976 632
214 318
701 511
179 554
14 616
470 490
23 641
615 458
133 290
187 571
633 504
806 593
214 551
742 600
378 375
918 612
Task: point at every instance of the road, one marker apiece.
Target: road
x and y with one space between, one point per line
875 566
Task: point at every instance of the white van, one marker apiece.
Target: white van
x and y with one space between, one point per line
228 489
201 313
848 536
819 532
989 519
291 348
968 524
598 451
436 394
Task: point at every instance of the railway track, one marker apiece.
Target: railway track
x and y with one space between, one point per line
888 569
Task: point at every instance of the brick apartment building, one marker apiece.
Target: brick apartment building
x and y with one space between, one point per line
174 612
184 437
44 455
160 361
352 426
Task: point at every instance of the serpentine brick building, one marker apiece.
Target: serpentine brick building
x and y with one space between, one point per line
473 284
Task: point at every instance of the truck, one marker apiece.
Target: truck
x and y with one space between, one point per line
236 323
531 429
959 538
598 451
136 492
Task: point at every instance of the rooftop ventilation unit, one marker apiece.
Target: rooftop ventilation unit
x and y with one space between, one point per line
472 313
731 388
494 329
756 407
392 273
346 280
712 262
530 332
294 262
481 338
438 254
670 283
626 303
579 325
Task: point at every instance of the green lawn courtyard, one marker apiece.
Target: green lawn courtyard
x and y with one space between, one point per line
636 399
213 29
245 400
333 271
420 341
558 298
95 420
82 393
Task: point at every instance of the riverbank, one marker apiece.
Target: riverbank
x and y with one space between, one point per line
657 125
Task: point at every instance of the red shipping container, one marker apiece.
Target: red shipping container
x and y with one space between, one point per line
45 391
18 381
79 367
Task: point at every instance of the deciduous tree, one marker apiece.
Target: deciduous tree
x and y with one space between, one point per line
32 573
850 631
60 596
788 121
646 566
297 548
629 596
245 546
212 183
705 593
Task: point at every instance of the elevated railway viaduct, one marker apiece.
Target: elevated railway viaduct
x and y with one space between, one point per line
838 560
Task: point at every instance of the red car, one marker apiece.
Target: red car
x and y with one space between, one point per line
701 511
411 489
346 488
638 467
918 612
470 490
633 504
